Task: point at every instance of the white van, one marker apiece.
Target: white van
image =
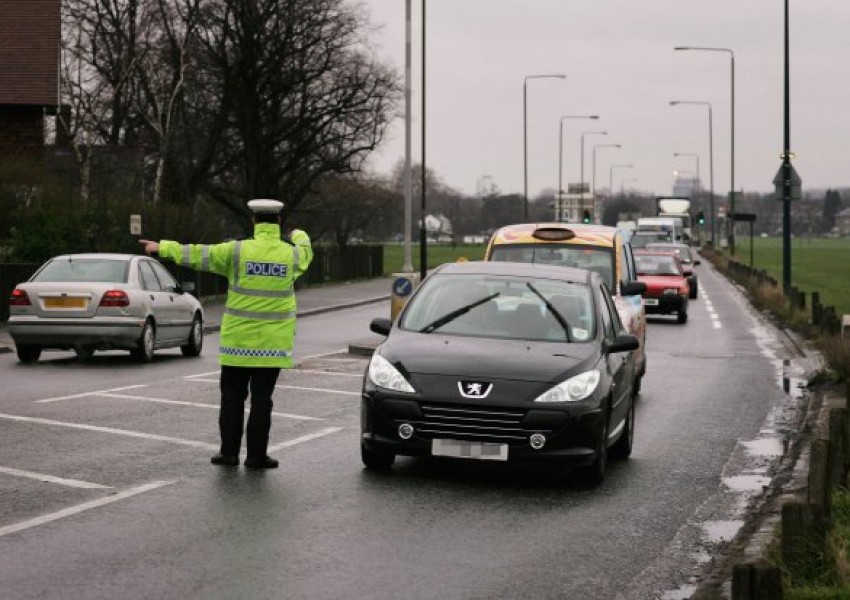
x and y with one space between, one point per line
662 225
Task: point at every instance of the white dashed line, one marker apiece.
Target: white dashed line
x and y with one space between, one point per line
322 390
74 483
196 404
67 512
124 432
717 325
357 375
84 394
304 438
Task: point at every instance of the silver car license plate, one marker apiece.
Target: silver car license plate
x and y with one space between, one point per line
473 450
651 301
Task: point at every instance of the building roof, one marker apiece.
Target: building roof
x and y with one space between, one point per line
29 52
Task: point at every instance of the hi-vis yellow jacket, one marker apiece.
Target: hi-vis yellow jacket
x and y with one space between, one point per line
258 327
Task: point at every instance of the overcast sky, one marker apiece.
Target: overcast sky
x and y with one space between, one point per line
620 64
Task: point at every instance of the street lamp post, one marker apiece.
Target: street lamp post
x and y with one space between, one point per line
525 133
596 217
710 162
611 175
581 182
559 210
731 229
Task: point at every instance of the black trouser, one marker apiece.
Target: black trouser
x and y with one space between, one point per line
234 391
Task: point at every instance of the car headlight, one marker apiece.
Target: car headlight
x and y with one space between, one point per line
575 388
384 375
671 291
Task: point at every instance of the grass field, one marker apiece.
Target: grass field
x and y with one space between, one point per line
817 265
437 255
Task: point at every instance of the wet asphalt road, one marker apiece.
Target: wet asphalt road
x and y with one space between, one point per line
106 490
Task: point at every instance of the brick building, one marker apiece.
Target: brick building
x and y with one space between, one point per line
29 72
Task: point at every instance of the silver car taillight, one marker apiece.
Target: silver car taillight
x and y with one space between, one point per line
19 298
115 298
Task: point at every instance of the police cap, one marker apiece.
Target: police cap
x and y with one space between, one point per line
265 206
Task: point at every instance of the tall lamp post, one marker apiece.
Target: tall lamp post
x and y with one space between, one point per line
598 217
710 161
611 175
696 156
525 134
559 210
731 229
581 182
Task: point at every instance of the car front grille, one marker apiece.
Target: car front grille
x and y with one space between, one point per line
478 423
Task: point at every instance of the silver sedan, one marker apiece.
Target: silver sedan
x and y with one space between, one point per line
89 302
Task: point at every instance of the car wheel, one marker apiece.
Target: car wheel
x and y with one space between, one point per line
694 291
196 338
375 460
622 449
28 354
682 317
84 353
145 347
594 473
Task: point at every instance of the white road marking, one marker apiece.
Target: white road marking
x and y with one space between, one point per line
323 390
197 404
125 432
342 351
204 380
67 512
357 375
84 394
717 325
207 374
304 438
74 483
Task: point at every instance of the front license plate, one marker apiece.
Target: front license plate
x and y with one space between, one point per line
65 302
651 301
474 450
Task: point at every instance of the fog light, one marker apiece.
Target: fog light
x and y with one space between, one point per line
537 440
405 431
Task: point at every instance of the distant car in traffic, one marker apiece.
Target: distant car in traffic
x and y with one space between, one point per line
503 362
686 257
667 289
90 302
640 239
605 250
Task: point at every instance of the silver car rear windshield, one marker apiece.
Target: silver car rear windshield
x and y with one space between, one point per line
502 307
592 258
89 270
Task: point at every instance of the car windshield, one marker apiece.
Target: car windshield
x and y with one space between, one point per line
641 240
502 307
592 258
91 270
656 264
682 252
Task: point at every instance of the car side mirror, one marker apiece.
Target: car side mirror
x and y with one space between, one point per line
632 288
381 326
186 287
623 343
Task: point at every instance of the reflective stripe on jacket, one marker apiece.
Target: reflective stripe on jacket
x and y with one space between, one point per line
258 326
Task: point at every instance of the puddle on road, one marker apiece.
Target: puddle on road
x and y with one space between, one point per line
747 483
768 447
721 531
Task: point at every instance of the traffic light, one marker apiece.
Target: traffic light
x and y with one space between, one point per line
586 217
701 218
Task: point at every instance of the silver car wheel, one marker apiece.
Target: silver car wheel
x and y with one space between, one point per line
147 342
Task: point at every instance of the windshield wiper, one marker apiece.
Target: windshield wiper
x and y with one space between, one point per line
558 316
446 318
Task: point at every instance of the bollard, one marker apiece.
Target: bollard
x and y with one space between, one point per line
803 534
820 492
753 581
786 375
838 447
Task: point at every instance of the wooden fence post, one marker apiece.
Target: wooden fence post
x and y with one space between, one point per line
803 534
753 581
838 447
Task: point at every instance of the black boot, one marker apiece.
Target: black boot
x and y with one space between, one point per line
261 463
225 460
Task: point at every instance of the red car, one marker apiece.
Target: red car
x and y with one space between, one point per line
667 287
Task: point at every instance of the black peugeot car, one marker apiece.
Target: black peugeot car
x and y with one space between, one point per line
502 362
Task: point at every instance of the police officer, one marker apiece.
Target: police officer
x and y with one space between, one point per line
258 327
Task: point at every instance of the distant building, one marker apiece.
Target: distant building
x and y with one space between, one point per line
29 72
842 222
